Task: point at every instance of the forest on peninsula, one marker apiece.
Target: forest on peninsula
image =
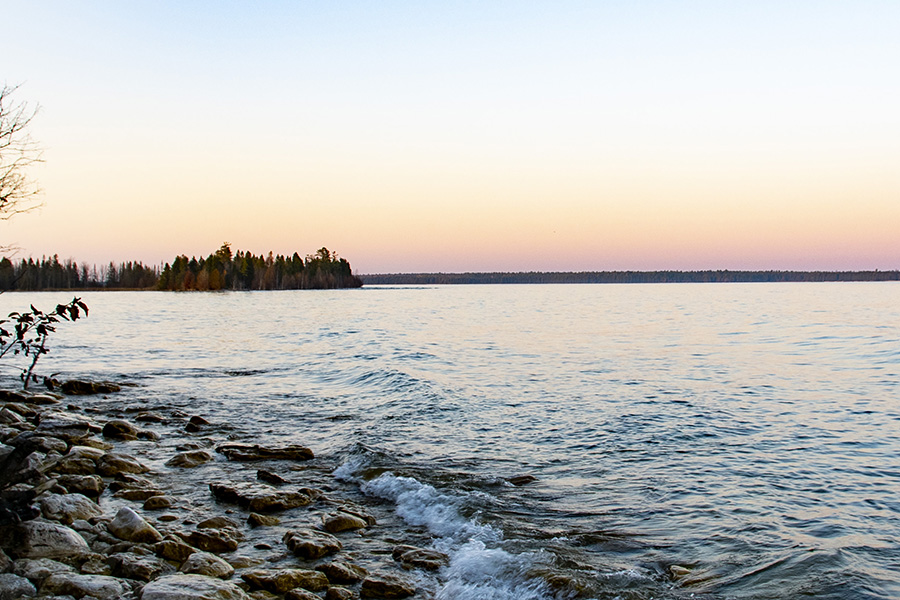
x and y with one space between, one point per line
221 270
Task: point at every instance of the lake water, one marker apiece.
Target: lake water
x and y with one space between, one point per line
749 433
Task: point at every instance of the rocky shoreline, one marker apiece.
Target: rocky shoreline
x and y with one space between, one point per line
107 499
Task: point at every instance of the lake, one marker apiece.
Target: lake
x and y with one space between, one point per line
747 433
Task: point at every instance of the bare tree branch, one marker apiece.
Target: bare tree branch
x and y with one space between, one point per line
18 152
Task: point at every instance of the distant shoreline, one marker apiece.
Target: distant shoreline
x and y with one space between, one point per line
720 276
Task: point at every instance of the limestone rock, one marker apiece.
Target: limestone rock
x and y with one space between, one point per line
270 477
252 452
386 586
142 568
42 539
341 521
113 463
339 593
67 508
138 494
311 544
13 587
282 580
87 485
257 498
212 540
342 572
411 557
131 527
204 563
258 520
217 523
301 594
5 562
519 480
174 550
67 426
190 459
150 417
101 587
10 417
159 502
96 565
120 430
39 569
191 587
76 387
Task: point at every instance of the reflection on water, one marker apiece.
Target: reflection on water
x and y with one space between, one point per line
748 433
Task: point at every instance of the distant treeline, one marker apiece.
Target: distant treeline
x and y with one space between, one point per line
629 277
222 270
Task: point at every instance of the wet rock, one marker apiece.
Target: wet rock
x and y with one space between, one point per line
251 452
39 443
10 417
77 387
39 569
217 523
258 520
159 502
262 499
270 477
342 572
198 420
386 586
411 557
138 494
341 521
191 587
5 562
311 544
42 539
13 396
339 593
150 417
129 481
190 459
120 430
112 463
282 580
44 400
212 540
96 565
66 426
131 527
13 587
167 518
301 594
67 508
678 571
210 565
90 486
142 568
101 587
522 479
174 550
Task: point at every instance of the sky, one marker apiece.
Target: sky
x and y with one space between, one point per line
464 136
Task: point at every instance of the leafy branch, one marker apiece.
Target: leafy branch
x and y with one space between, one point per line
30 331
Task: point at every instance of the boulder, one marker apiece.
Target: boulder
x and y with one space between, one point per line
411 557
341 521
256 498
131 527
142 568
210 565
174 550
212 540
13 587
10 417
67 508
42 539
67 426
281 580
120 430
113 463
338 593
96 565
522 480
101 587
217 523
258 520
386 586
87 485
311 544
39 569
191 587
190 459
342 572
252 452
138 494
301 594
159 502
76 387
39 443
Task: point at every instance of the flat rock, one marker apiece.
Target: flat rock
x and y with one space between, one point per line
256 498
270 477
42 539
217 523
386 586
252 452
113 463
159 502
87 485
205 563
13 587
69 427
102 587
39 569
67 508
191 587
118 429
141 568
77 387
174 550
411 557
212 540
131 527
301 594
342 572
138 494
258 520
281 580
311 544
341 521
522 479
190 459
338 593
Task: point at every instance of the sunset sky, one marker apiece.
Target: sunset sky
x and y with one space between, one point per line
465 136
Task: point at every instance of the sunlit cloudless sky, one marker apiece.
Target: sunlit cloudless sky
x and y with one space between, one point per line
464 136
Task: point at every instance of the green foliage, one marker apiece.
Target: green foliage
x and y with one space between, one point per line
30 331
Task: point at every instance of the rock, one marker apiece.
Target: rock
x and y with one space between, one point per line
191 587
112 463
69 427
301 594
358 511
251 452
192 428
142 568
39 569
75 387
96 565
258 520
211 540
522 479
204 563
87 485
159 502
311 544
167 518
217 523
138 494
411 557
10 417
678 571
131 527
340 521
270 477
101 587
12 396
385 586
339 593
120 430
67 508
262 499
42 539
44 400
39 443
342 572
189 459
129 481
282 580
198 420
5 562
13 587
175 550
150 417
